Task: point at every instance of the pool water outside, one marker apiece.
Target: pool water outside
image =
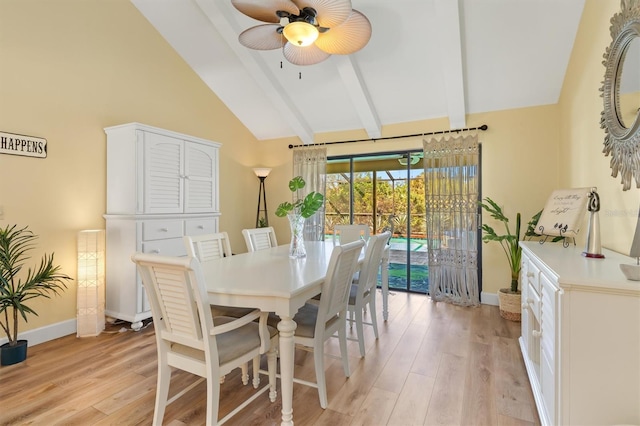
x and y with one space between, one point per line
398 271
419 270
398 277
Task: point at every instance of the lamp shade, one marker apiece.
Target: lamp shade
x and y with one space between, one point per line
300 33
91 297
262 171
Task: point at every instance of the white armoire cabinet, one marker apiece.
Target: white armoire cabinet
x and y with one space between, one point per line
161 186
580 335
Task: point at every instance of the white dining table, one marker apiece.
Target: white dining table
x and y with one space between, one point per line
272 282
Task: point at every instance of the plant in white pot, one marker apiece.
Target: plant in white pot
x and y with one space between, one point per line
509 298
18 288
297 211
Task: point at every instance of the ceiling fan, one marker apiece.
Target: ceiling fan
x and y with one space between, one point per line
308 31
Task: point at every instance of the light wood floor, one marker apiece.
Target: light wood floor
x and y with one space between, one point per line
433 364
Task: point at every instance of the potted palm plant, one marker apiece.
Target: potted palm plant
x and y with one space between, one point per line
508 298
16 288
297 211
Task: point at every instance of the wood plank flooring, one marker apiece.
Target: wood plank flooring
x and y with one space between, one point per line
434 364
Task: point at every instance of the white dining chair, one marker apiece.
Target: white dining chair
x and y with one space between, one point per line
343 234
317 323
189 338
363 289
208 247
260 238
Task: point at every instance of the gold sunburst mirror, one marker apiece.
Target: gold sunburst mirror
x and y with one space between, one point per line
621 93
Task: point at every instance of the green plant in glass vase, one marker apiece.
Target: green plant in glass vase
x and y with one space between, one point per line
297 211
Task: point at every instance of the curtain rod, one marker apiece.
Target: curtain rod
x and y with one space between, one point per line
483 127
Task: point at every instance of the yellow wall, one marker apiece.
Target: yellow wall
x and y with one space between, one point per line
72 67
68 69
581 134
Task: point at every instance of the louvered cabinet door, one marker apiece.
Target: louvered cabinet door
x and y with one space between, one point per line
200 183
163 174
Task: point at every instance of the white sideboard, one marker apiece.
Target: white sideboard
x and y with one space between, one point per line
580 335
161 186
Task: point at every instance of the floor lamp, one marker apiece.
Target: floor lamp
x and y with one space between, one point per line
91 297
263 221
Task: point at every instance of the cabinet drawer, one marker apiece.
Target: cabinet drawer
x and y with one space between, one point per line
200 226
168 247
161 229
533 300
533 277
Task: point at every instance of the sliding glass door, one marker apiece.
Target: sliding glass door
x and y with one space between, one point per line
386 192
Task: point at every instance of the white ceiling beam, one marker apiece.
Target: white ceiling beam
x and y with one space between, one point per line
449 33
357 90
221 18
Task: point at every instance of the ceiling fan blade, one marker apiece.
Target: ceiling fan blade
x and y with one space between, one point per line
265 10
351 36
262 37
330 13
307 55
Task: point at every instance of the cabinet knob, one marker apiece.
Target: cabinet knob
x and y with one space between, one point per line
529 300
156 251
536 333
524 306
200 226
531 274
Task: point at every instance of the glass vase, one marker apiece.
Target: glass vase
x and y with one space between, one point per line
296 249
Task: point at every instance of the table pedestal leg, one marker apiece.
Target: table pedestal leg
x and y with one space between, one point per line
287 327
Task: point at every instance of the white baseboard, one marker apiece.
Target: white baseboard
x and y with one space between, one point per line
489 298
46 333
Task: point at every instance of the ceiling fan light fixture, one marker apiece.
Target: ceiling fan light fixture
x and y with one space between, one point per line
308 31
300 33
308 55
413 159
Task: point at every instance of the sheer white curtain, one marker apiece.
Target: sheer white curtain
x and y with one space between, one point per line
311 164
451 169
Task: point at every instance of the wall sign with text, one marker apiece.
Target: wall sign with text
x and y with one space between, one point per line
28 146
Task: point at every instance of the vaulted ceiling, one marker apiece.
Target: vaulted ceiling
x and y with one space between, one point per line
426 59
